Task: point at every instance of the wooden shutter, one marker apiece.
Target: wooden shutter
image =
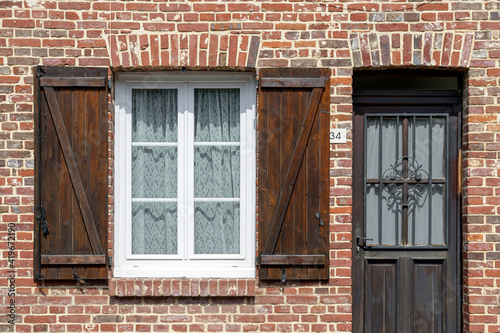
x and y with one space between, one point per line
293 177
71 173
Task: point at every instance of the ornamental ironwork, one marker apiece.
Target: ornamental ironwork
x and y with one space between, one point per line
406 183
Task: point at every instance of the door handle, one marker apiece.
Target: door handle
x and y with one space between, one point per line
358 238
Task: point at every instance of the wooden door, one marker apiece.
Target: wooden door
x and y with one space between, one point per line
406 226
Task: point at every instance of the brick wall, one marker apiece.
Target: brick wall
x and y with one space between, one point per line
246 35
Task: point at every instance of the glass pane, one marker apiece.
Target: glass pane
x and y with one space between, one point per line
154 172
372 147
391 214
419 206
419 147
390 136
217 228
438 147
216 172
438 215
154 115
372 214
154 228
217 115
383 220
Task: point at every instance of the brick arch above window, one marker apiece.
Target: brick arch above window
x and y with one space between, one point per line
202 50
448 49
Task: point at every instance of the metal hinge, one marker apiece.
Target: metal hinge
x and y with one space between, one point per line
43 221
256 83
39 72
38 276
110 83
110 262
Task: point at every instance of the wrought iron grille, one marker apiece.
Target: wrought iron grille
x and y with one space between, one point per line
406 173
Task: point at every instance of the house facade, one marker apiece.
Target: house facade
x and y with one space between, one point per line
251 166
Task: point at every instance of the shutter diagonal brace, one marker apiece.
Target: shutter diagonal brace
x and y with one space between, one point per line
75 176
293 171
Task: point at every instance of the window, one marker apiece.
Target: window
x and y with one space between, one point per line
185 175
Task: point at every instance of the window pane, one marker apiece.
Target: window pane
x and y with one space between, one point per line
216 172
372 214
372 147
438 215
154 172
154 115
418 146
390 136
419 206
217 228
154 228
438 147
217 115
391 214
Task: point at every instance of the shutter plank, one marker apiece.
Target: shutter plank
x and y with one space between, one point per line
280 260
74 259
97 136
73 170
81 244
289 135
91 82
292 172
66 194
293 82
273 157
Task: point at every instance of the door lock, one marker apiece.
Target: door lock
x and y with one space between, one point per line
358 238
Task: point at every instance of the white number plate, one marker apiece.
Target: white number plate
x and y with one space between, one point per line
338 135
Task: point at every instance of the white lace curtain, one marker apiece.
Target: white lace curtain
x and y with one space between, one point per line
216 171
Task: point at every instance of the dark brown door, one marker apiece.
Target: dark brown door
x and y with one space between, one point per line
405 216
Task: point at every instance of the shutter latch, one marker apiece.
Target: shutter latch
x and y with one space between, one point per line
318 216
43 221
79 279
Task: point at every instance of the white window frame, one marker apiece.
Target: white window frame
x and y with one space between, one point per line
185 263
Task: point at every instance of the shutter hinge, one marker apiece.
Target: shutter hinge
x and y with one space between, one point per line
110 83
256 83
43 221
40 72
38 276
110 262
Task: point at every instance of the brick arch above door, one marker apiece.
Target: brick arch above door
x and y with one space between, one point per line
202 50
432 49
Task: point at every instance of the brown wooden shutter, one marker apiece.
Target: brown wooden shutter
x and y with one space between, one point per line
71 173
293 177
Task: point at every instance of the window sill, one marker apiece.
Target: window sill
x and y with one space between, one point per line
139 287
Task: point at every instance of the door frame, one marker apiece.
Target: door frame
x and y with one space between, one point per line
394 99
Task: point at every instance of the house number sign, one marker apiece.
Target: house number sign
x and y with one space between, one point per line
338 135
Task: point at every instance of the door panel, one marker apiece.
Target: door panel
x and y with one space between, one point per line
382 297
405 214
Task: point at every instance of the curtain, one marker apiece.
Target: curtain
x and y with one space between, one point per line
216 171
154 171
